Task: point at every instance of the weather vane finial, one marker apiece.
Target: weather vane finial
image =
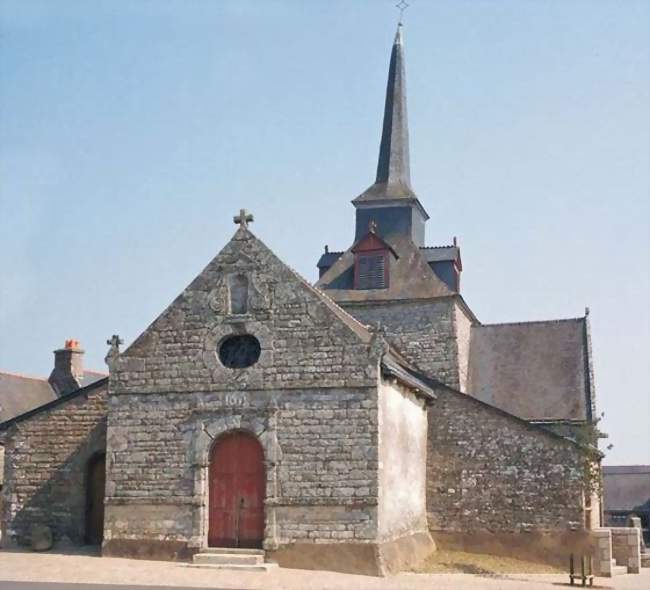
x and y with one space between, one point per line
402 5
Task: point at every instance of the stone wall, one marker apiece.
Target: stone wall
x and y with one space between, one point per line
463 326
488 471
423 331
321 460
46 464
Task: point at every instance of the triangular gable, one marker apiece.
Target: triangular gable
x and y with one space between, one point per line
298 328
372 242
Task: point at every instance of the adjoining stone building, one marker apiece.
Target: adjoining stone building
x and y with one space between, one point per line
20 394
338 426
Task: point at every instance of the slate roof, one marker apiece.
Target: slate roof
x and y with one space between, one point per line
5 424
534 370
20 394
440 253
626 488
393 167
328 258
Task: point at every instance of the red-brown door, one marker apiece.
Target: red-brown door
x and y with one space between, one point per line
237 484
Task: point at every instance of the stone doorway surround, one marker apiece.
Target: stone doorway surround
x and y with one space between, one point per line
257 422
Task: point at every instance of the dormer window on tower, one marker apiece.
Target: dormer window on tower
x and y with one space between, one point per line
372 258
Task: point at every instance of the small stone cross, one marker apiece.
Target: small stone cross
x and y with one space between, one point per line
114 342
114 351
244 218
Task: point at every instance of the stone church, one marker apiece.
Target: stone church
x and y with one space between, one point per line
351 425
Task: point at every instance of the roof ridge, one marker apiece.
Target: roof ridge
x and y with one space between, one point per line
22 376
525 323
435 382
438 247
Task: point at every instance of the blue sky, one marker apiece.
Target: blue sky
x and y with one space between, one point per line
132 131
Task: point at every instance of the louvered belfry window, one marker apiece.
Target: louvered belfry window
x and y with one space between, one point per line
371 271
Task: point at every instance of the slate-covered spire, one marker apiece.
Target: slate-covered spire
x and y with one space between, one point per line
390 201
393 167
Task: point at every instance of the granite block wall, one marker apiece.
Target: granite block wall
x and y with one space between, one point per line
305 340
423 331
626 548
489 471
320 454
46 467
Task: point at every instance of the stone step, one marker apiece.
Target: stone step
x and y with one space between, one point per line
645 559
228 558
262 567
618 570
232 551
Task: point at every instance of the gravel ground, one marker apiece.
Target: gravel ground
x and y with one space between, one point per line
17 566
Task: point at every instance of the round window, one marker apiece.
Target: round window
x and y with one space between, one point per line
240 351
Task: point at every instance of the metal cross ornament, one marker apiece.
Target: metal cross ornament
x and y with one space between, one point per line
244 218
402 5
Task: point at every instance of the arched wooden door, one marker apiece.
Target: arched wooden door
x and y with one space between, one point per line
96 483
237 482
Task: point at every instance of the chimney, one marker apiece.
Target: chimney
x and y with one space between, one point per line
68 368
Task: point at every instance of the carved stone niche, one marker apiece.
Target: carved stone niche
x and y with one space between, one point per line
239 293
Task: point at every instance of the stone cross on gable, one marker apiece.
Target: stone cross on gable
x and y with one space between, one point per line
244 218
114 342
114 351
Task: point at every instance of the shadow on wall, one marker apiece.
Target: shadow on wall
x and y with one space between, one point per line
62 500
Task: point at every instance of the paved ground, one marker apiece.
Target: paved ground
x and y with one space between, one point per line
52 571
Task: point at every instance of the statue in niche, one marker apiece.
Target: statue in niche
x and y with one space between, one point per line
218 297
238 294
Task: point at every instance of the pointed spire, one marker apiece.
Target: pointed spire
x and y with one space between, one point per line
394 166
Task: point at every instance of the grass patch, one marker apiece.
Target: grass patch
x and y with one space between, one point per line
460 562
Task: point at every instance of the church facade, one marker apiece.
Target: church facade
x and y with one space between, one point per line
351 425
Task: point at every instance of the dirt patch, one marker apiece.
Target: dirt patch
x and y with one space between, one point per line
447 562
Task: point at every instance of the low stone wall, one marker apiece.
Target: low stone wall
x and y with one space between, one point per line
626 548
371 559
549 547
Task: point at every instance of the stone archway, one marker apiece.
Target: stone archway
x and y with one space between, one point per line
204 433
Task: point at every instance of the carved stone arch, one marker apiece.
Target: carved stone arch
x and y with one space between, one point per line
209 430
